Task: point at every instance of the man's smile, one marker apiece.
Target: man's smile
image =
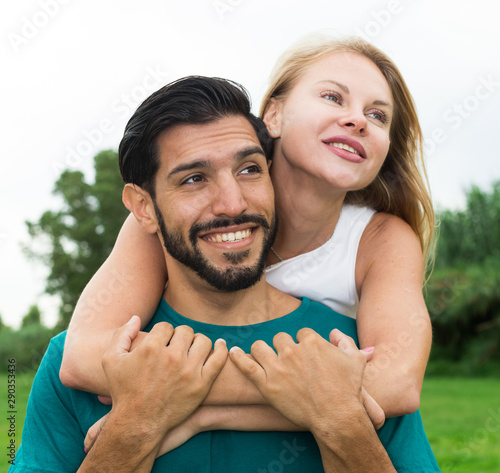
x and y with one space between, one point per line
229 236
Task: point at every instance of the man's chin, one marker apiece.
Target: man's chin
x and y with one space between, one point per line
231 278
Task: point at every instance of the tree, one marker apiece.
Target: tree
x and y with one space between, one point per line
27 345
463 294
471 235
33 317
81 234
2 325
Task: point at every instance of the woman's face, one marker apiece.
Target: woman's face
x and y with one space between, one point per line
334 124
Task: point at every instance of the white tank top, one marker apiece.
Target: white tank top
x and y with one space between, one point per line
327 274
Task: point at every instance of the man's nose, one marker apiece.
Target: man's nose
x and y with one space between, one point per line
228 198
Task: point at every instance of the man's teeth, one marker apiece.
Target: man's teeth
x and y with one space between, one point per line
229 236
344 146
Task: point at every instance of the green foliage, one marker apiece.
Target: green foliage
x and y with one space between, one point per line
81 234
33 317
463 294
27 345
472 235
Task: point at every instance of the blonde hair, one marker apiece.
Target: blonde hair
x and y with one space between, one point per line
401 186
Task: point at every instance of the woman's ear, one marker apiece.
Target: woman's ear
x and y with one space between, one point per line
272 118
139 202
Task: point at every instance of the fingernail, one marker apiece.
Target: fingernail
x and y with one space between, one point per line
234 349
369 349
221 340
85 450
130 321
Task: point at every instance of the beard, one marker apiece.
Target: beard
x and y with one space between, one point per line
233 278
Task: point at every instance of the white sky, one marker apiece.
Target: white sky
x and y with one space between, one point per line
73 71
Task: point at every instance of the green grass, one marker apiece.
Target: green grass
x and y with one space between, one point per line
461 417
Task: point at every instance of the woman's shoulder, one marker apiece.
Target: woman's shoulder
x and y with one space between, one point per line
386 235
384 225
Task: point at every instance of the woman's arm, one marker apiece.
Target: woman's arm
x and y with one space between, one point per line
392 315
130 282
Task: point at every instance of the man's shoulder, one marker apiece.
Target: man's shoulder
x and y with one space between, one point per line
55 349
319 309
323 319
47 378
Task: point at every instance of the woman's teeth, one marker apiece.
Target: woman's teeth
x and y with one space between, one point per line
344 146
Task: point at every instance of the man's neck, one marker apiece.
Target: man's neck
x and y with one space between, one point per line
198 301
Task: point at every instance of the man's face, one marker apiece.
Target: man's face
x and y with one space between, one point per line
215 201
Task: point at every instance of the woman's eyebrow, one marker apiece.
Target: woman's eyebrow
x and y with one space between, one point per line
343 87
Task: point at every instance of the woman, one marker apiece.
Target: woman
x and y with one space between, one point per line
355 226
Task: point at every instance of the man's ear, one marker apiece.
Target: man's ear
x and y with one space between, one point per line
139 202
272 118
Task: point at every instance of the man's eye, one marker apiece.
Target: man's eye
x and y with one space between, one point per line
193 179
253 169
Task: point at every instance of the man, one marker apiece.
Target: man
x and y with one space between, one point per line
196 166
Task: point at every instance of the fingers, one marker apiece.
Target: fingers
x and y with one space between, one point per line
123 336
105 400
93 433
216 360
162 332
280 341
200 347
342 341
247 365
376 413
368 352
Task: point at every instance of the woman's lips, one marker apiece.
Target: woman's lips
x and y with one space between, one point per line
346 148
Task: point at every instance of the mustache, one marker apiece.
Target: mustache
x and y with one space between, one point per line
227 222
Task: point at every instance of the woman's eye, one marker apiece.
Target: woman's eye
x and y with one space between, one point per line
332 96
378 116
253 169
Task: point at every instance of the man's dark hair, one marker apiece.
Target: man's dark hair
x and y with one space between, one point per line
192 100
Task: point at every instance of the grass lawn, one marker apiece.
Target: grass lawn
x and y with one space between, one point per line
462 421
461 418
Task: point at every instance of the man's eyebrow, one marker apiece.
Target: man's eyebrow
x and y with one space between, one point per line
205 164
189 166
248 152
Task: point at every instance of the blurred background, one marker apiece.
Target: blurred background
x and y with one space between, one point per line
74 72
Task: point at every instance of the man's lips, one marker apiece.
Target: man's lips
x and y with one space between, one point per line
346 144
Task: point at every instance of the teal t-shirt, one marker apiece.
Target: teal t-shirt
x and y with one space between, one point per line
58 418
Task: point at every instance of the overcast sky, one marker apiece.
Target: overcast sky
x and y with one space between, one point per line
73 72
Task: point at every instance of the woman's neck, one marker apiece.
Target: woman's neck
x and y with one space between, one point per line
308 211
